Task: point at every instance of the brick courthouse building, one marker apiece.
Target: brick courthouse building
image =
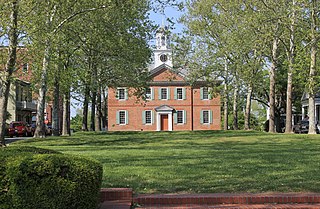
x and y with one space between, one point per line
172 104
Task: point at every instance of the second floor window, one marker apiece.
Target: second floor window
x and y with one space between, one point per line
179 93
148 94
122 94
205 93
164 93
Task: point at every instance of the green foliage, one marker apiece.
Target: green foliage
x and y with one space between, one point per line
39 178
254 123
76 122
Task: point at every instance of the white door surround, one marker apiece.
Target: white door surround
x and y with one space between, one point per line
164 110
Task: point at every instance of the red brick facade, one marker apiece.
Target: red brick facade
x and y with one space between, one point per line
195 113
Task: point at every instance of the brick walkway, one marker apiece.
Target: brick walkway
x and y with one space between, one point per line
118 198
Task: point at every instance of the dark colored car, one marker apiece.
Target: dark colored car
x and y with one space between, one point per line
19 128
303 127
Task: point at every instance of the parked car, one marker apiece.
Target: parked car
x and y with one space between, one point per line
303 127
19 128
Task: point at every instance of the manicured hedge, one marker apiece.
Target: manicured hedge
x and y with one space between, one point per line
38 178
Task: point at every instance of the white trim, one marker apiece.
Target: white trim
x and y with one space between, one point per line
125 117
208 123
149 99
178 94
151 117
125 94
170 125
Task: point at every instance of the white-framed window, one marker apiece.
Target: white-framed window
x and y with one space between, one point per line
164 93
206 117
122 94
149 93
122 117
180 117
204 93
147 117
180 93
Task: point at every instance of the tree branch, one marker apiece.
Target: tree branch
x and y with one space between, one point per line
74 15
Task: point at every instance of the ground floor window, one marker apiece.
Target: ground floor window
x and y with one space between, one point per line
206 117
122 117
147 117
180 117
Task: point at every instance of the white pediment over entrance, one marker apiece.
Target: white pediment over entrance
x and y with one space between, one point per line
164 108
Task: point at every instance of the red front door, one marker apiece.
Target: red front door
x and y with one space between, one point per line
164 122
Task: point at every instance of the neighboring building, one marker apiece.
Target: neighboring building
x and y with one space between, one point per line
22 103
171 102
305 105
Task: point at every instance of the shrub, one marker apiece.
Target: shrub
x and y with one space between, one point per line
39 178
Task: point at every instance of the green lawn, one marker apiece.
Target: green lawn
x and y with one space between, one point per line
198 162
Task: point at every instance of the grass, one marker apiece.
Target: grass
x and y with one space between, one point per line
198 162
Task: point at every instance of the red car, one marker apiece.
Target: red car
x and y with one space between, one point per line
19 128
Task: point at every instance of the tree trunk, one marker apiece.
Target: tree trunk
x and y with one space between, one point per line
56 104
290 71
93 110
272 84
248 109
66 114
312 73
94 87
225 97
98 112
40 128
11 61
104 110
85 109
235 108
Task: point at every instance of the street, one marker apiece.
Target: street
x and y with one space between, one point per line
13 139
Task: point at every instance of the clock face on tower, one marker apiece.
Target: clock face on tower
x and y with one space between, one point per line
163 57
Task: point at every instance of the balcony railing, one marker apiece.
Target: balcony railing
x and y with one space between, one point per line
23 105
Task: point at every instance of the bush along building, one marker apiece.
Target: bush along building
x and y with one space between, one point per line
171 103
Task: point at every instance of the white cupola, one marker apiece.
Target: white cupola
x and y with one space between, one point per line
162 53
